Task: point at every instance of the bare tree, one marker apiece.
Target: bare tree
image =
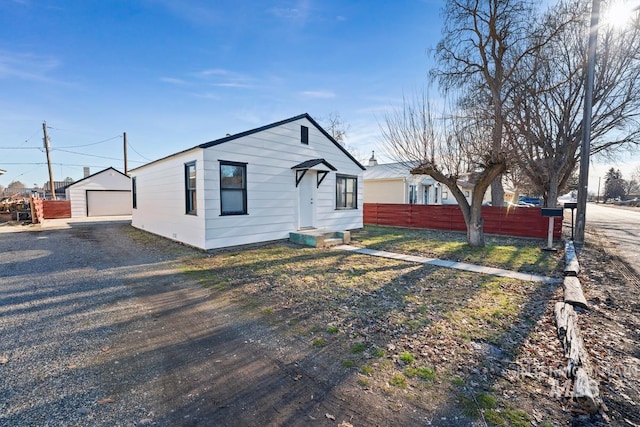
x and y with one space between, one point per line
519 182
16 184
548 97
444 148
635 175
336 127
631 187
483 44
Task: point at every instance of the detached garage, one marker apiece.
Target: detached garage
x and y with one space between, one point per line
105 193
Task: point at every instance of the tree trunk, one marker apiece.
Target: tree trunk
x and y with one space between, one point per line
552 194
497 192
475 229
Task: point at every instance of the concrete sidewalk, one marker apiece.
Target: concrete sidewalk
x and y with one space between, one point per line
452 264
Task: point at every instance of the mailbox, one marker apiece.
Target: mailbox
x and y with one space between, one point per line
572 206
551 212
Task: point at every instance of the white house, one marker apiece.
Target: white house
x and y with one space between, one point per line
104 193
251 187
394 183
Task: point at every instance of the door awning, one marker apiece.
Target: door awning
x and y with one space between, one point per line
319 165
311 164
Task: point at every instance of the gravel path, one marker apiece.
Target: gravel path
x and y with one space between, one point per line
61 296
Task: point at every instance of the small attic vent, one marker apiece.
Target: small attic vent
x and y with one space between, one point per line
304 135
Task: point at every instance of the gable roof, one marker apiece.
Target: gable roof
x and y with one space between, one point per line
94 174
388 171
260 129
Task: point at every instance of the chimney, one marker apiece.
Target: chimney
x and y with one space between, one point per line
86 171
372 160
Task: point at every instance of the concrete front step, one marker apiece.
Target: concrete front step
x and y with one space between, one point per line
320 238
333 241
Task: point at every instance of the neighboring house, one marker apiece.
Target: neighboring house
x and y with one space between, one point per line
59 186
251 187
394 183
105 193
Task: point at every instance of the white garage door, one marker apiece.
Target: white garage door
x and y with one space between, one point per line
106 203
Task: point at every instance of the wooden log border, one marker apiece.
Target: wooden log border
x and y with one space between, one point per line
585 389
571 265
573 292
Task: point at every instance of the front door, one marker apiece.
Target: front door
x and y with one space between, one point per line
306 193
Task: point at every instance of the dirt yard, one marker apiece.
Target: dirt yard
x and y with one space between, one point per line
287 335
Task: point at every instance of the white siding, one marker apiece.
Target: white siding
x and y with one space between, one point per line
161 199
272 196
108 179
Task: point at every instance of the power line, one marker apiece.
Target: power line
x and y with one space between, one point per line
136 151
32 135
23 163
13 178
92 143
90 155
62 164
65 146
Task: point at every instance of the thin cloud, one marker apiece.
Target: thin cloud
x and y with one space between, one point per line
213 77
297 13
195 12
174 81
220 77
233 85
207 95
212 72
322 94
28 66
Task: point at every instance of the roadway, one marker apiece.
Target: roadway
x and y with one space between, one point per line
621 226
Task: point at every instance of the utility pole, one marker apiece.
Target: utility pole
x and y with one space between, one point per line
586 124
124 138
46 147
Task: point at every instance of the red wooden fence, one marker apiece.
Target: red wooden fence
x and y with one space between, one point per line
520 222
56 209
37 211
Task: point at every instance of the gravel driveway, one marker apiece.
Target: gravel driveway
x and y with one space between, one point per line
101 326
61 295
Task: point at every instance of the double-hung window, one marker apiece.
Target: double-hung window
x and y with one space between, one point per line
233 188
190 188
346 192
413 194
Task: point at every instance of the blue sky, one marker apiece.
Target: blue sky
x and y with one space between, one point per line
176 73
